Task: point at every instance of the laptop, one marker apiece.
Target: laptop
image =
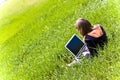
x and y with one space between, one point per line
74 45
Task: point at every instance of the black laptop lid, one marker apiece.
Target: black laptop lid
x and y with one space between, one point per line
74 45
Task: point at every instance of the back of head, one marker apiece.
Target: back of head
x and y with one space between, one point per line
83 26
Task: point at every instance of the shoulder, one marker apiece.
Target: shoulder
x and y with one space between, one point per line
89 38
96 32
96 26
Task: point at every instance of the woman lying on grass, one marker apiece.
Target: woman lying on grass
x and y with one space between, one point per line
93 37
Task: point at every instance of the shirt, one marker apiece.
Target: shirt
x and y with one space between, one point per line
95 39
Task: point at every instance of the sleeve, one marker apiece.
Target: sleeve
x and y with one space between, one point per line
85 51
91 47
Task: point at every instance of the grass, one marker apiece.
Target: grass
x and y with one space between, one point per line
17 18
32 40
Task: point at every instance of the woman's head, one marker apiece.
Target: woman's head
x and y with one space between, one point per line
83 26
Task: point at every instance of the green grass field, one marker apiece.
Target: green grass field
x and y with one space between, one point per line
33 34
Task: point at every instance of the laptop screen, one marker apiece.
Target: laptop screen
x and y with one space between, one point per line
74 45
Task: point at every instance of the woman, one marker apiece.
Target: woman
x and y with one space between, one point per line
94 37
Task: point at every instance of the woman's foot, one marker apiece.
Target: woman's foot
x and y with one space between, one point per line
73 62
